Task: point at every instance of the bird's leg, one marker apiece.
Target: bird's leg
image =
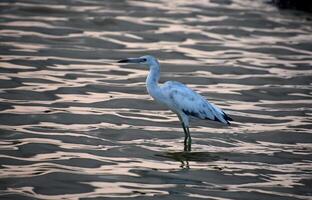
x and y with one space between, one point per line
189 138
185 137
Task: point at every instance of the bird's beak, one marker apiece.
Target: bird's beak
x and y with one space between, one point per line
132 60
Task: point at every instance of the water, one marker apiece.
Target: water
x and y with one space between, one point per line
76 125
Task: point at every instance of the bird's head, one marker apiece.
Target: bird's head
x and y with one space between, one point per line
149 60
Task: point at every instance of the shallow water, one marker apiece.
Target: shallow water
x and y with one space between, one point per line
76 125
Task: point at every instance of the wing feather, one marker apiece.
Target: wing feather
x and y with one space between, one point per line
181 98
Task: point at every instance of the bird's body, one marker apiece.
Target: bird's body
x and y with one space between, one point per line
184 101
179 98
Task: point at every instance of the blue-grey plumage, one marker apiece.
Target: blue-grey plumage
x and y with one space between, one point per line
179 98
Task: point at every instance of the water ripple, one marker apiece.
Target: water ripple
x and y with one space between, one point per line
71 115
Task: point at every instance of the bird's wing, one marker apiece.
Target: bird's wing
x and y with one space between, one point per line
191 103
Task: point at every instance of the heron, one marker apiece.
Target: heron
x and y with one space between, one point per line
179 98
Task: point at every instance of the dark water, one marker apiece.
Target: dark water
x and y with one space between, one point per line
75 125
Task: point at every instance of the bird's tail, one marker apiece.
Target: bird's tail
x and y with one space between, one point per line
227 118
220 116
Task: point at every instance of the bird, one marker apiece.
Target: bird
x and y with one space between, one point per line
179 98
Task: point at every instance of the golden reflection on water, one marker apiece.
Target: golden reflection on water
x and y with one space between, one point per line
71 118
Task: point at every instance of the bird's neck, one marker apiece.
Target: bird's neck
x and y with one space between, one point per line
152 80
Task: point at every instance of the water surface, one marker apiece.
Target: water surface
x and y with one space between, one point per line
76 125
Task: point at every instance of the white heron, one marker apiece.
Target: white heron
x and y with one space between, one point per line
179 98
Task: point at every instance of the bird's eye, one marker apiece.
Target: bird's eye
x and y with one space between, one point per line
144 60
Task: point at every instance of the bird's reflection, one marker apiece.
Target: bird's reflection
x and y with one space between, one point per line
184 157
